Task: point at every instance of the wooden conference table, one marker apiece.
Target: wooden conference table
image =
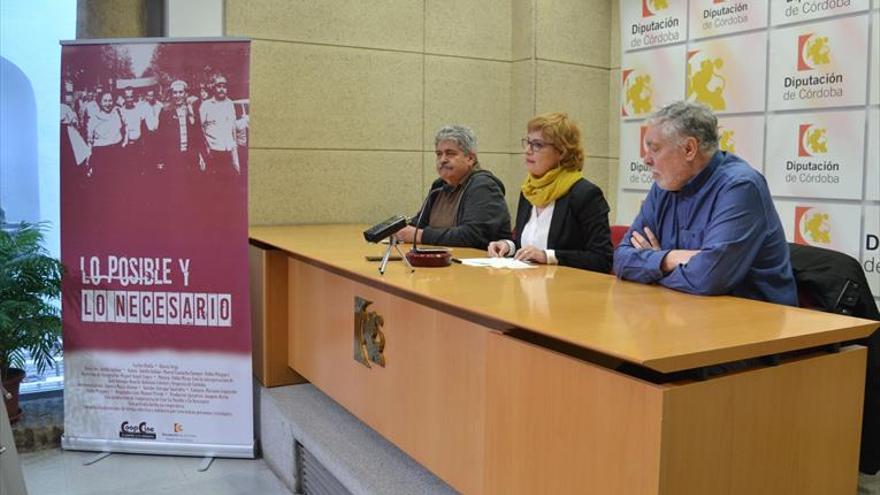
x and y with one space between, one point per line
506 381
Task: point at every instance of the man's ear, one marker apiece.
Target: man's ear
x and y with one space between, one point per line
691 147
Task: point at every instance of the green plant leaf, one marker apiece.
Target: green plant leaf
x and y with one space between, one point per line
30 281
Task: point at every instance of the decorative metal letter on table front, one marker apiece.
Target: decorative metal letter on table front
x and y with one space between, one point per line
369 341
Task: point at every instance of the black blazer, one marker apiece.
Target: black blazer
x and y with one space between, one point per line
579 231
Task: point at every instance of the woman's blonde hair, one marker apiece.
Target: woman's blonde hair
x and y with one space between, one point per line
565 136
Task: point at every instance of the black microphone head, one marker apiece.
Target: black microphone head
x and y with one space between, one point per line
385 228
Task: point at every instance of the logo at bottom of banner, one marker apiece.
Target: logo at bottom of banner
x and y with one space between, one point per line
369 341
140 431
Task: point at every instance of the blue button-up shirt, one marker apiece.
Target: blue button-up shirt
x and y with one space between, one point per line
726 213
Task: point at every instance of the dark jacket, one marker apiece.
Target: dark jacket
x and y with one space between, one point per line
481 217
168 141
834 282
579 231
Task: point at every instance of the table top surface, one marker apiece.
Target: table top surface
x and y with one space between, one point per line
649 325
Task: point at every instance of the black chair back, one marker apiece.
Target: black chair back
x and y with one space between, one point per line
835 282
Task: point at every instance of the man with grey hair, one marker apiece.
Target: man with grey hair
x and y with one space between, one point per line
465 206
708 225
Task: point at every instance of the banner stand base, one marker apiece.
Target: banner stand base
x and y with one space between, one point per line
96 458
206 463
160 448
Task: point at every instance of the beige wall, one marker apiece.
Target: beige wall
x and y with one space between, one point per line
346 95
563 62
193 18
614 111
111 18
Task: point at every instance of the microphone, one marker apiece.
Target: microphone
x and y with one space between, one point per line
434 257
422 212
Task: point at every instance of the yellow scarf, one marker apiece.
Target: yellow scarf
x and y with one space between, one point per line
552 186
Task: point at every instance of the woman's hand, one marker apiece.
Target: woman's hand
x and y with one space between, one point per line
498 249
531 253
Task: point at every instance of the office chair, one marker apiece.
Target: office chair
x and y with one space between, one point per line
617 233
834 282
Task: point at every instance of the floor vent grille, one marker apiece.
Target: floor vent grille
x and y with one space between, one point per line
313 477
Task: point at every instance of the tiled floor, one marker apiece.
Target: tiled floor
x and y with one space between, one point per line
58 472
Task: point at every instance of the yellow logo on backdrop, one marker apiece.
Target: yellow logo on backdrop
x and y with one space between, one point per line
816 226
639 93
811 140
706 85
725 141
812 226
812 50
818 51
649 7
816 141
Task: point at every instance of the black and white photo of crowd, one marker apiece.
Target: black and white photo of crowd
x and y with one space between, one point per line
162 108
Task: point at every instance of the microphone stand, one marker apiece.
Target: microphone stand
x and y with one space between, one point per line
421 213
394 244
426 258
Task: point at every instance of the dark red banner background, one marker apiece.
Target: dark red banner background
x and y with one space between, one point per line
150 199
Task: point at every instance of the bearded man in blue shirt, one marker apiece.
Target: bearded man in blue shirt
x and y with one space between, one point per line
708 225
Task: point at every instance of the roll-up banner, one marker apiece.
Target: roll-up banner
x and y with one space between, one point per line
154 161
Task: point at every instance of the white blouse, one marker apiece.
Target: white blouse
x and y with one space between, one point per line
535 232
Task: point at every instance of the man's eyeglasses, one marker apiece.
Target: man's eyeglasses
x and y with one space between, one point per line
536 146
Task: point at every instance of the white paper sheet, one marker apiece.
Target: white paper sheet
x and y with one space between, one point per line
497 263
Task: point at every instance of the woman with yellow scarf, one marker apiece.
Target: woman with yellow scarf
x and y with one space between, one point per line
562 218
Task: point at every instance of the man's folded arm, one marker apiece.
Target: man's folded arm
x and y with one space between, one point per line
638 265
731 243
